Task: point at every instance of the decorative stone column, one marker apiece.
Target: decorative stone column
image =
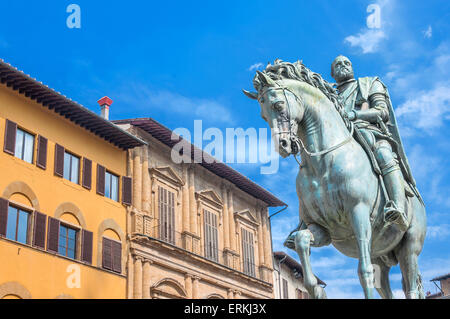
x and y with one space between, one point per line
192 204
230 294
130 277
188 285
185 200
226 227
138 277
146 294
137 179
186 212
195 287
266 238
146 189
261 246
231 220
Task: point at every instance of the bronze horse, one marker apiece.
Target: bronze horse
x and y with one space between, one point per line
341 200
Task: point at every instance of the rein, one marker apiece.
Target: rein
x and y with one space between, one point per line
295 138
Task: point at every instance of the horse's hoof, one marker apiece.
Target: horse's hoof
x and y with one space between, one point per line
290 241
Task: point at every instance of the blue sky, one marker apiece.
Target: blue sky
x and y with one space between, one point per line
178 61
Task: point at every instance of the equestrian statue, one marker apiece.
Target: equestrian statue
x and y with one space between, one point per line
355 186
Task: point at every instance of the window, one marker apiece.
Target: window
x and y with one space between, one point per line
71 167
18 224
285 289
248 252
211 236
112 186
166 215
67 241
24 146
111 255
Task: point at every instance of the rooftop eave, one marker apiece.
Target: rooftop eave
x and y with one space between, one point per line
64 106
164 134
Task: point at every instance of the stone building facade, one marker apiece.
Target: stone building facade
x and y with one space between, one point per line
288 278
195 230
443 287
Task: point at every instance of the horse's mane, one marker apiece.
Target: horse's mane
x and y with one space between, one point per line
297 71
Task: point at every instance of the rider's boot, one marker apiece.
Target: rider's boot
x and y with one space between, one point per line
395 208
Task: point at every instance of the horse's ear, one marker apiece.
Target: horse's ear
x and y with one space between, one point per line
252 95
265 80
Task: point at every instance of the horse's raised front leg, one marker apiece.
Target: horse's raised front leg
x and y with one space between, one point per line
301 242
363 233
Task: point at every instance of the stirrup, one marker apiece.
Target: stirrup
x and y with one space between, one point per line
393 215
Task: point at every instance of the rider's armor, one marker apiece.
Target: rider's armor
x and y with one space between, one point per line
365 100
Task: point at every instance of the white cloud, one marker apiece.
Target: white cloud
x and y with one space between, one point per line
427 109
438 232
428 33
329 262
368 40
256 66
141 97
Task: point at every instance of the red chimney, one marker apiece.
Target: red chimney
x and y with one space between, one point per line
105 103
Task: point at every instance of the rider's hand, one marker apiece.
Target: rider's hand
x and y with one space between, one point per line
351 115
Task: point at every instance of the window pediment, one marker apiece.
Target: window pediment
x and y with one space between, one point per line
247 217
210 197
167 174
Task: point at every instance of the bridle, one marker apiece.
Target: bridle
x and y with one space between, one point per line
293 137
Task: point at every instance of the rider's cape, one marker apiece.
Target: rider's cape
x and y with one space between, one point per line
365 85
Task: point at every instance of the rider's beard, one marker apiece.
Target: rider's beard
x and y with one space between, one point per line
342 75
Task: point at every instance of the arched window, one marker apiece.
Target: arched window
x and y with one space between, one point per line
111 246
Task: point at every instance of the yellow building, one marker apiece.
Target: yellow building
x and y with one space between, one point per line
64 195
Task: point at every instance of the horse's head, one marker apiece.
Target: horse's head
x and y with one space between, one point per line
286 91
281 109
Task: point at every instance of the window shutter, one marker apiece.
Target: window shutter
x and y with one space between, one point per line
4 204
285 289
161 213
205 217
127 183
52 234
117 256
252 255
101 171
40 223
107 254
10 137
87 173
59 160
172 218
86 246
41 161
